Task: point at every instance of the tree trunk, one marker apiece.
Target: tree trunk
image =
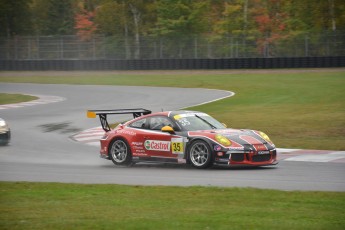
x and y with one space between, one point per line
331 11
125 25
245 21
136 18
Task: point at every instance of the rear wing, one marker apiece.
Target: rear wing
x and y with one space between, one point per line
103 115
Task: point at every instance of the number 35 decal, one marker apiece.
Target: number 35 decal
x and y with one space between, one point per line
177 145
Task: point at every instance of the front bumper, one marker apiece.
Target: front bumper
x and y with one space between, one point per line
252 158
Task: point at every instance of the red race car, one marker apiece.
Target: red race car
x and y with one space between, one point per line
181 137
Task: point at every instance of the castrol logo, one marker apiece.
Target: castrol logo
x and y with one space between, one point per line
157 145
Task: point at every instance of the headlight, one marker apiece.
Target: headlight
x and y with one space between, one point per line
222 140
265 137
2 123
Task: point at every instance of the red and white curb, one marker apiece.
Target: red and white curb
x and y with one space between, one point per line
43 99
93 135
89 136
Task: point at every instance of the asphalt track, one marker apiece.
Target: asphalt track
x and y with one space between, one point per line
41 149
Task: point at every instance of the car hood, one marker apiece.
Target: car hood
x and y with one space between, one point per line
240 138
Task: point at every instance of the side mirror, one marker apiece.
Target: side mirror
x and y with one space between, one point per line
168 129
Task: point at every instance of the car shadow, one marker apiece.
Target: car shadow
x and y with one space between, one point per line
190 167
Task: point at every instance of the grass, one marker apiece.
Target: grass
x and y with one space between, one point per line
296 109
73 206
6 98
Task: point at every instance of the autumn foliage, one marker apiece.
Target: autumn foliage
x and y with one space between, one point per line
263 22
84 24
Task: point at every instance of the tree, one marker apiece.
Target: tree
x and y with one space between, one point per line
182 17
39 16
125 19
178 24
54 17
237 24
84 22
270 19
15 17
60 17
232 21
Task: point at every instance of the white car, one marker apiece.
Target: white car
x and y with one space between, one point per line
5 132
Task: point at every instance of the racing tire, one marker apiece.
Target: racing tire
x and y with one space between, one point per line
120 152
6 141
200 154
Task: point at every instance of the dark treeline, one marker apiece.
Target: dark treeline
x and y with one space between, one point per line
132 22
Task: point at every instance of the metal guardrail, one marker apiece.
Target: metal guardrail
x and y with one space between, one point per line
160 64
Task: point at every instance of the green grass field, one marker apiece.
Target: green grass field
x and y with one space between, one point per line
297 109
73 206
6 98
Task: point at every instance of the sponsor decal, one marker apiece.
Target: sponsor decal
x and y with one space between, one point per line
263 152
217 147
127 132
260 147
140 153
137 143
138 146
177 146
179 116
184 122
157 145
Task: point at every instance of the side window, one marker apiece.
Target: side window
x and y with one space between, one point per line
139 124
157 123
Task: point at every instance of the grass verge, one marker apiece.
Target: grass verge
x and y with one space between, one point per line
6 98
73 206
297 109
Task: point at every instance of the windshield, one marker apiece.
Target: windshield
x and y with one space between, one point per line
197 121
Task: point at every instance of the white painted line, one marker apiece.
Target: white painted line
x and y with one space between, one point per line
86 139
43 99
281 150
203 103
81 136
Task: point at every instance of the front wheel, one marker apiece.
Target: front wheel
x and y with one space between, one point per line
200 154
120 152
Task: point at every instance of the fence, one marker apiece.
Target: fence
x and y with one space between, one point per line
157 64
147 48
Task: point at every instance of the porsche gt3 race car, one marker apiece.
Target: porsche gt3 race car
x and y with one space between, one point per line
181 137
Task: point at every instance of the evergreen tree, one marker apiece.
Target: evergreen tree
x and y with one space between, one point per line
15 17
60 19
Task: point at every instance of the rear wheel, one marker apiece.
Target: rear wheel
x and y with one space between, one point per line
200 154
120 152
